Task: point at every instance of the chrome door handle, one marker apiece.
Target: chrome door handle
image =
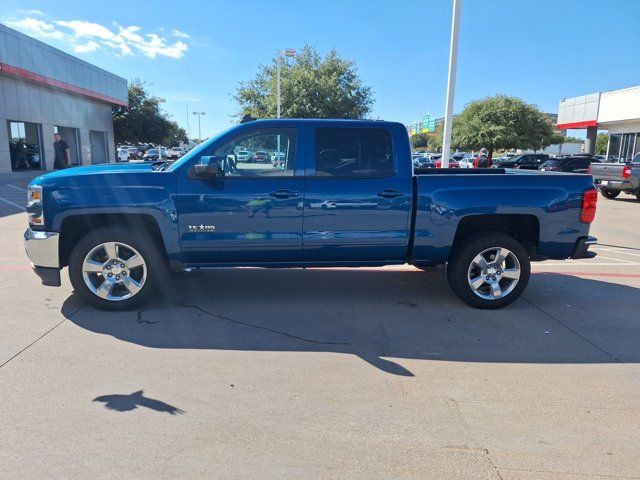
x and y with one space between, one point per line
391 194
284 194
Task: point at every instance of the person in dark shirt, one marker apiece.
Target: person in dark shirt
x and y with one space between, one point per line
62 153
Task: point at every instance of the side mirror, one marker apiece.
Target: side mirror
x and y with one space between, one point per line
207 167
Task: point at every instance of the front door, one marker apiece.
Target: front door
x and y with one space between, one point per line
251 212
357 196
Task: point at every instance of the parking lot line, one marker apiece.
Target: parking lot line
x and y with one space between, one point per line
619 251
17 188
9 202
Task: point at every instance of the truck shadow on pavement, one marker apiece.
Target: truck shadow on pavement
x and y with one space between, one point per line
381 316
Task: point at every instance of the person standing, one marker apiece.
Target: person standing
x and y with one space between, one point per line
483 160
62 153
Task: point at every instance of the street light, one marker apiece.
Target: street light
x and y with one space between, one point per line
287 52
199 114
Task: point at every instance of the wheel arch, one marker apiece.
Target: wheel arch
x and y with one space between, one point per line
75 227
524 228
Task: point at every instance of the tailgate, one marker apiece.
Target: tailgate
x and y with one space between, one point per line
607 171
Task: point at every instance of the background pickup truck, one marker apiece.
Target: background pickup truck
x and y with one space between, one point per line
614 178
120 228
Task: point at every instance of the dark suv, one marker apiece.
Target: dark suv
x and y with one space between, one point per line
577 164
528 161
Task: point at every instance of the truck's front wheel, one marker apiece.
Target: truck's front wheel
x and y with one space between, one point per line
114 269
489 271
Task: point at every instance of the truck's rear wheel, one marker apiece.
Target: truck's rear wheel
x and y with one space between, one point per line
489 271
114 269
610 194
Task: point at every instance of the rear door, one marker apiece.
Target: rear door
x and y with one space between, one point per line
357 195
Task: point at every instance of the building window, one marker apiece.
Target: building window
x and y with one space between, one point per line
613 153
25 147
626 150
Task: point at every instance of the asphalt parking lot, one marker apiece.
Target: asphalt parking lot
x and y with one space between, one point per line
339 373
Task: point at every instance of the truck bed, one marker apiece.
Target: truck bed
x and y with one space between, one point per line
549 201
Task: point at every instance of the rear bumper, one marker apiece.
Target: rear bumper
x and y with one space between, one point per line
43 251
617 184
581 249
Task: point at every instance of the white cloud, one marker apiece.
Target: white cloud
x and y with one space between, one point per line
84 37
179 34
82 28
90 46
36 28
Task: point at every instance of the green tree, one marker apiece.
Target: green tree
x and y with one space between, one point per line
501 122
312 87
420 140
602 141
143 121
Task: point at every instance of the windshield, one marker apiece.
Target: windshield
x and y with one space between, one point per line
153 151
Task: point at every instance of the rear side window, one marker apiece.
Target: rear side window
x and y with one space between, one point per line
353 152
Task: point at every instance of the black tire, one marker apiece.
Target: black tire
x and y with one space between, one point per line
156 266
638 195
610 194
460 267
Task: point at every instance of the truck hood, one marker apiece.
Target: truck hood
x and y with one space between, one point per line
105 169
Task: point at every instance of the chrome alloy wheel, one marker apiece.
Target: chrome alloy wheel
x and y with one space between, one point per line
114 271
494 273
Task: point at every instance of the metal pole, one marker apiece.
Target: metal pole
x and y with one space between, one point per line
188 128
451 84
199 131
278 80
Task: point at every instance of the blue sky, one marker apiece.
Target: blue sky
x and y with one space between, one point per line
197 52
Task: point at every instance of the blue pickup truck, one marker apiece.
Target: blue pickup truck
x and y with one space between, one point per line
331 193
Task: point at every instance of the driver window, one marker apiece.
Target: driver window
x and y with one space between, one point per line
270 152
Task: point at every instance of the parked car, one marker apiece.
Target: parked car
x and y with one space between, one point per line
121 228
452 163
570 163
466 161
123 155
613 178
176 152
261 156
152 155
243 156
528 161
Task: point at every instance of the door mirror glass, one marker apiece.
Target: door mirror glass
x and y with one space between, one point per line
207 167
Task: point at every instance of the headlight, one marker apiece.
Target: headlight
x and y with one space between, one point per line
34 206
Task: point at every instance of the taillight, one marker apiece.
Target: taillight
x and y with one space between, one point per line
626 172
589 170
589 201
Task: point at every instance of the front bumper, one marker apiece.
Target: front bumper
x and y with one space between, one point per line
581 250
43 251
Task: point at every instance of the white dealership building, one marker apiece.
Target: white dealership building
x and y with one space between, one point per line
617 111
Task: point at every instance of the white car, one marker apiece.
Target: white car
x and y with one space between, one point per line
243 155
466 162
175 152
123 155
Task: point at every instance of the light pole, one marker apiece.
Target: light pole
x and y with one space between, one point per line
287 52
160 100
199 114
451 84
